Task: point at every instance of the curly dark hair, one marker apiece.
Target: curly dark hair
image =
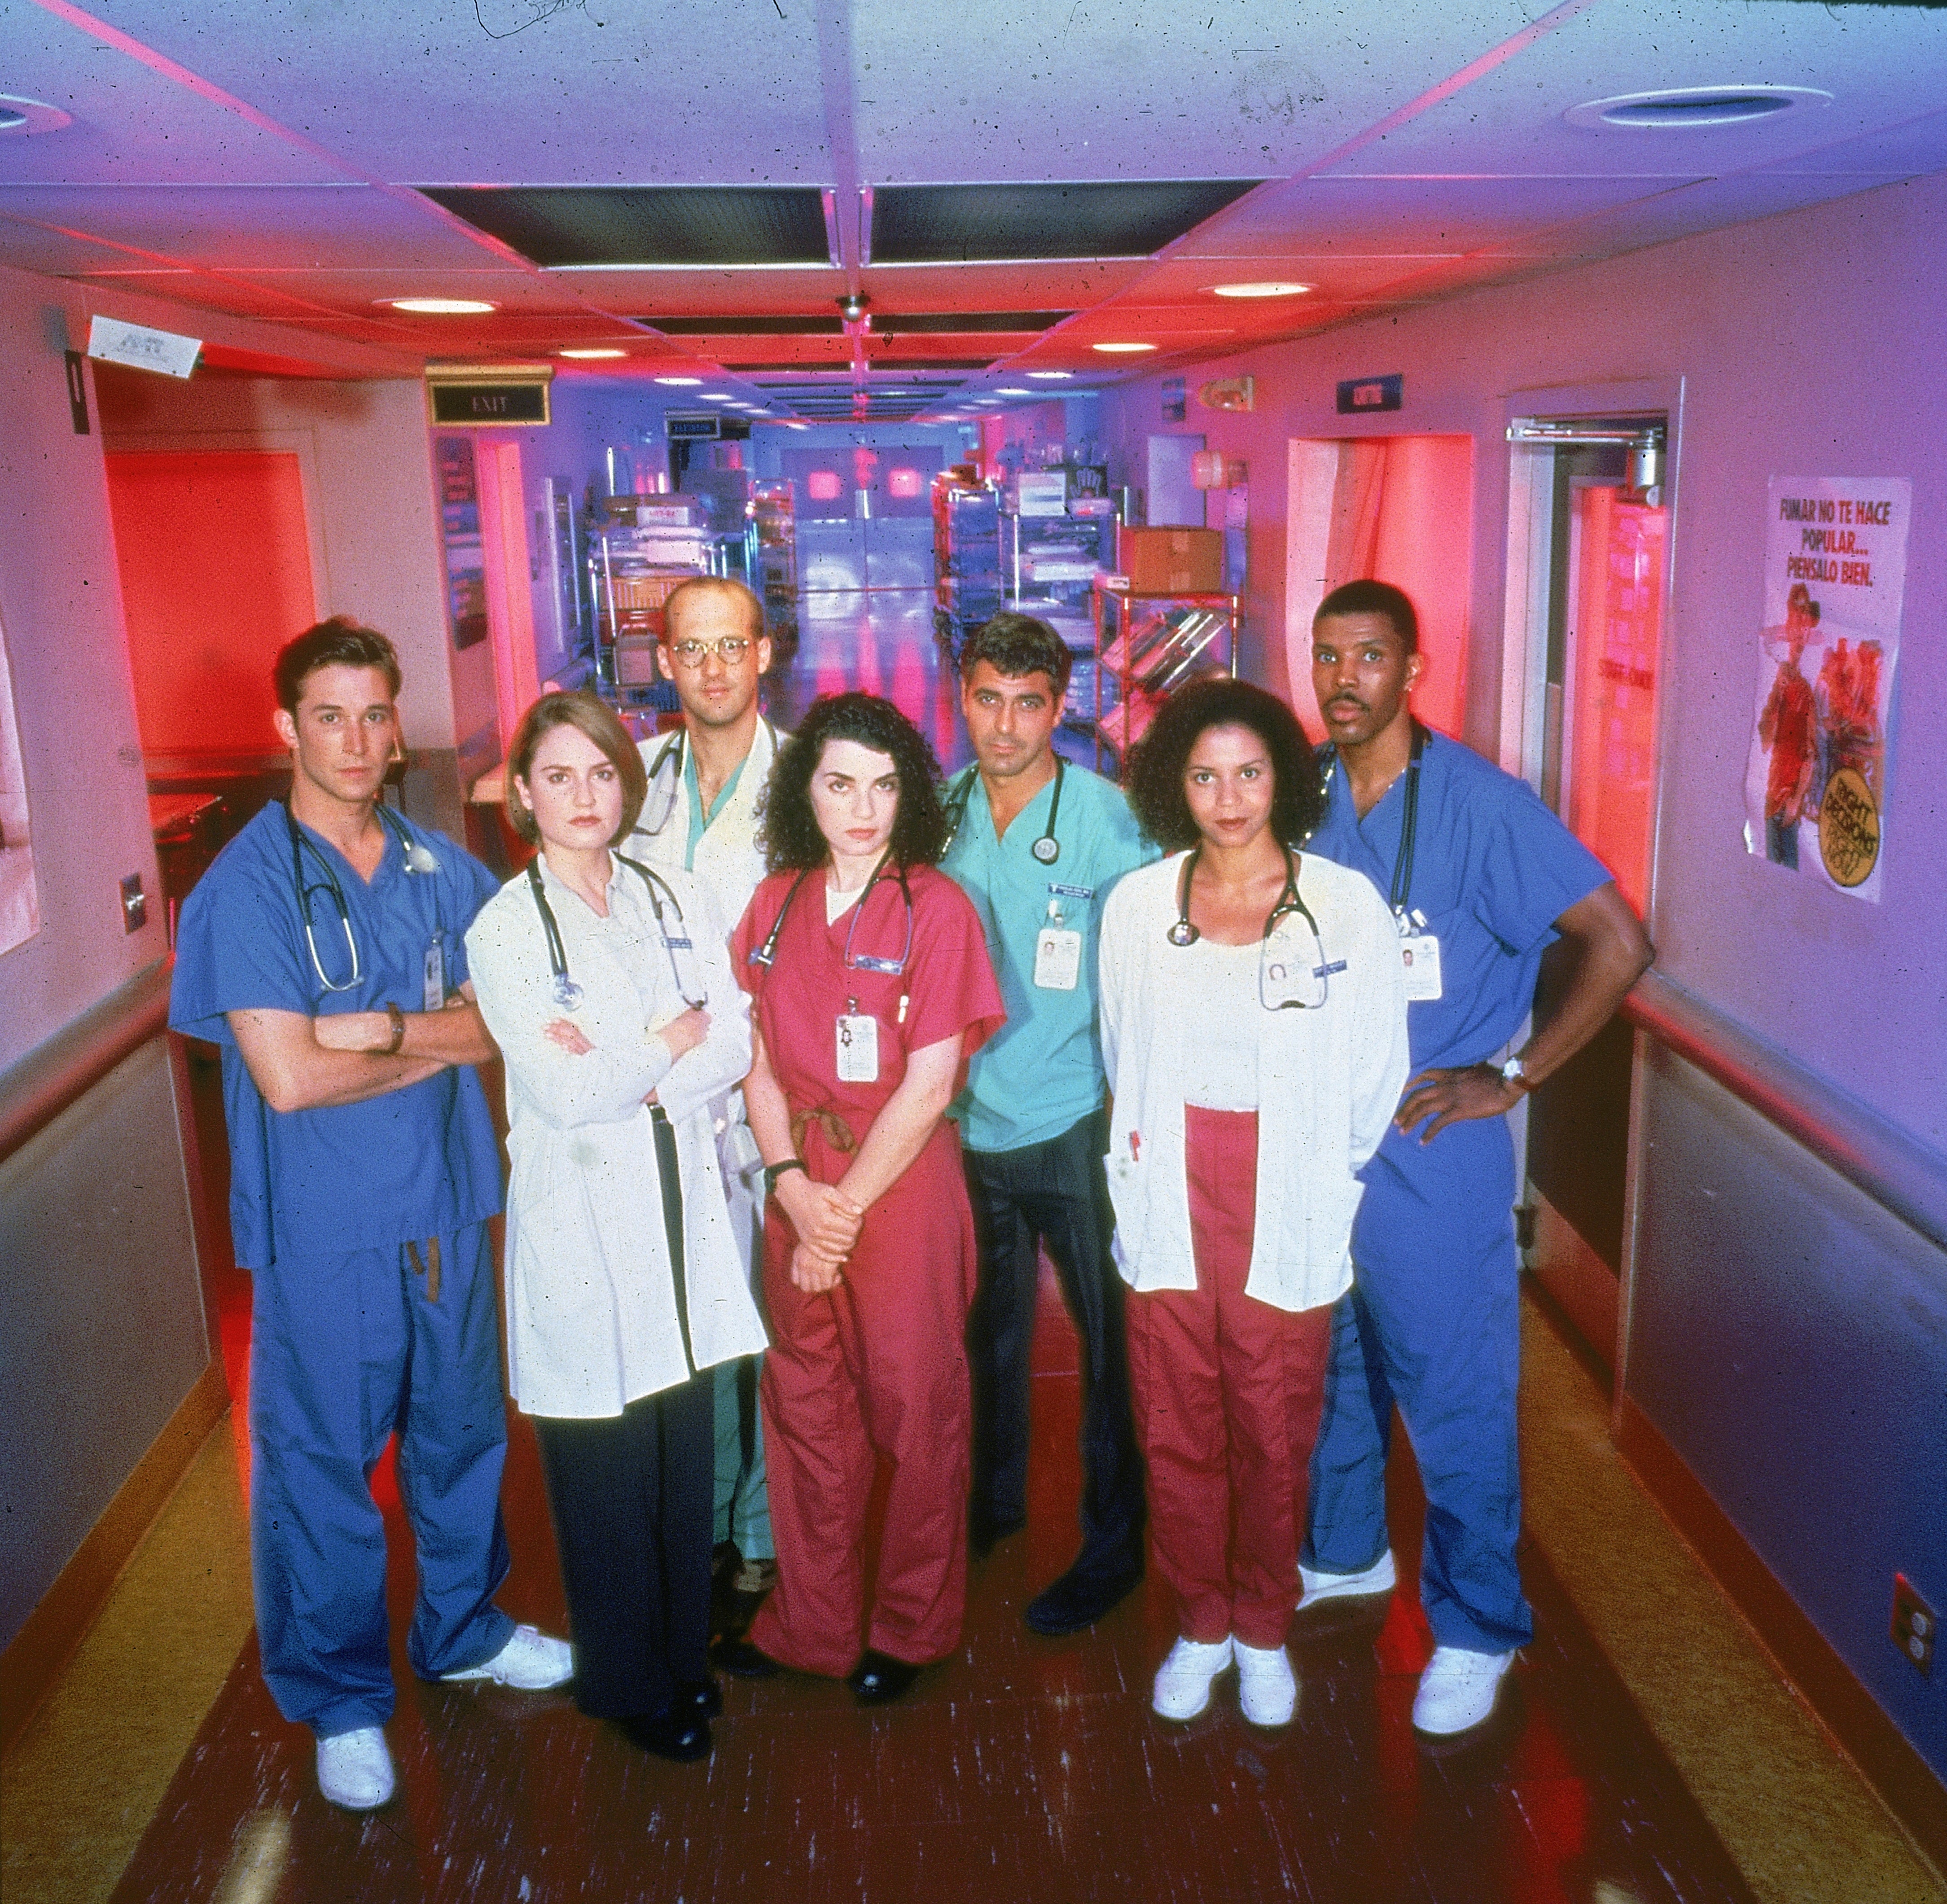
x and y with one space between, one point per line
1157 762
789 829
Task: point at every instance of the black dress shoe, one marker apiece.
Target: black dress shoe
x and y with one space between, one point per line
733 1654
878 1679
1078 1599
703 1697
678 1734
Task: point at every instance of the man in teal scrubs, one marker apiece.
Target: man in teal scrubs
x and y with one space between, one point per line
706 781
1037 845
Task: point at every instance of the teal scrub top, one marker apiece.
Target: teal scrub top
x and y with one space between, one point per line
699 821
1041 1073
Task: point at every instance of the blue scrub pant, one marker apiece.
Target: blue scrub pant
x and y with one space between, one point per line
344 1352
1433 1323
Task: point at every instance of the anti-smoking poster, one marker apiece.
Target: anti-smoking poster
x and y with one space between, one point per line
1835 571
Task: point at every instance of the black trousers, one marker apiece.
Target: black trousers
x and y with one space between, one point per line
1057 1193
631 1497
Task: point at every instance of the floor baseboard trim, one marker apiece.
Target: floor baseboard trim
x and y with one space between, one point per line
34 1659
1904 1780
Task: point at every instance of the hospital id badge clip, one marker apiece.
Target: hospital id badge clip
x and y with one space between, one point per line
434 991
858 1046
1420 952
1057 966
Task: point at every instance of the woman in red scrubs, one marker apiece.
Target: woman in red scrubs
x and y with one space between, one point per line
872 988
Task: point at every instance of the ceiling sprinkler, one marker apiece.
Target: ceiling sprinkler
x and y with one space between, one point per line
852 307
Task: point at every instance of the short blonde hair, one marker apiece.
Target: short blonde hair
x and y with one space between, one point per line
598 721
719 585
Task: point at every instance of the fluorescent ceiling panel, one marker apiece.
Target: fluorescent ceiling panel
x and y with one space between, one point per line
888 323
918 225
583 225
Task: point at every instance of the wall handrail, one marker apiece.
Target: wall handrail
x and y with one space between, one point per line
56 1073
1869 1151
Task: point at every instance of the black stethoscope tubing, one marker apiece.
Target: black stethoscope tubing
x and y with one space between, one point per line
1289 900
1047 849
407 847
1401 891
766 955
674 752
567 994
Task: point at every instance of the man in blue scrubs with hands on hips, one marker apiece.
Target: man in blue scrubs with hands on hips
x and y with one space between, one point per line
1481 879
1036 845
323 951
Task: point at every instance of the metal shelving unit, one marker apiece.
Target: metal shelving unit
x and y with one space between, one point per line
1146 646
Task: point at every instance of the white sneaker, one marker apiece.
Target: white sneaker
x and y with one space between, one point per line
1379 1578
355 1768
530 1662
1267 1688
1458 1690
1183 1680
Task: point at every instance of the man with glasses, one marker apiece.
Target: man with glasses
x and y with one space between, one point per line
706 781
324 953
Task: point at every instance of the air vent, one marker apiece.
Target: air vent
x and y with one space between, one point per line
968 322
593 227
946 224
1696 107
727 325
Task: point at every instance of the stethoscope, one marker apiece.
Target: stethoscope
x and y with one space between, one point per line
416 859
1272 973
1401 893
569 994
670 762
766 955
1046 849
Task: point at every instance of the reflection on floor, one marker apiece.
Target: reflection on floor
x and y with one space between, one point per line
158 1771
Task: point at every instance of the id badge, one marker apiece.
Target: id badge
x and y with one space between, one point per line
433 993
1057 966
1420 953
857 1048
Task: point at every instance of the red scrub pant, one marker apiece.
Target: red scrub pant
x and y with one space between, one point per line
876 1368
1227 1394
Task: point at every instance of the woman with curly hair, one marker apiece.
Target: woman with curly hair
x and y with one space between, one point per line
871 990
1254 1033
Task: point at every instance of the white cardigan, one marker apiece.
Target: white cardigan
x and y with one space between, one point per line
729 862
1329 1081
591 1304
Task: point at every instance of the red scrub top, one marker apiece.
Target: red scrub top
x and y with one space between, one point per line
949 987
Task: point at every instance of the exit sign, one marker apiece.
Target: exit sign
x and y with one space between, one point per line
1357 396
473 405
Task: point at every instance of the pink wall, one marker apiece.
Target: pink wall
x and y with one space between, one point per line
1805 344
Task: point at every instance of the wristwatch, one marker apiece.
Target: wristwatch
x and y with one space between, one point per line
773 1172
1512 1074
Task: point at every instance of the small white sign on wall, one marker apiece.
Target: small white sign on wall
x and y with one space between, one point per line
142 348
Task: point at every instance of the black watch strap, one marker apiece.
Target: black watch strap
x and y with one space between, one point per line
773 1172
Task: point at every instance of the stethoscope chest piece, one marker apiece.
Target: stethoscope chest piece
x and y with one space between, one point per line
1183 934
1046 849
567 993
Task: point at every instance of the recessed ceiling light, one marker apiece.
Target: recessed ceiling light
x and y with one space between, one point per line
1012 391
592 354
1678 108
23 118
1050 376
681 383
717 397
1121 350
1270 287
440 307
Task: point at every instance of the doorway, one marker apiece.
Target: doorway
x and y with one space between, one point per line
1588 588
865 522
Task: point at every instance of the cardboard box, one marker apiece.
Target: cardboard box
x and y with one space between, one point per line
1172 561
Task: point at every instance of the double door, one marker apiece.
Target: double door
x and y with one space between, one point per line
865 522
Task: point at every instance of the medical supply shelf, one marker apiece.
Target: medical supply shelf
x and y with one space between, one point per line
967 550
1147 646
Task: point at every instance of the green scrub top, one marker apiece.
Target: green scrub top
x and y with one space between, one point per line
699 821
1041 1074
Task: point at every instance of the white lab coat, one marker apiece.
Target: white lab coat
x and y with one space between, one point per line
730 863
591 1305
1329 1081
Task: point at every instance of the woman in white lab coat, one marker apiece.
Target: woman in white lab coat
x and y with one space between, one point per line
606 985
1254 1034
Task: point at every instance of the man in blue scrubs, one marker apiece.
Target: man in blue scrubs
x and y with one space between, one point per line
323 951
1482 878
1038 844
